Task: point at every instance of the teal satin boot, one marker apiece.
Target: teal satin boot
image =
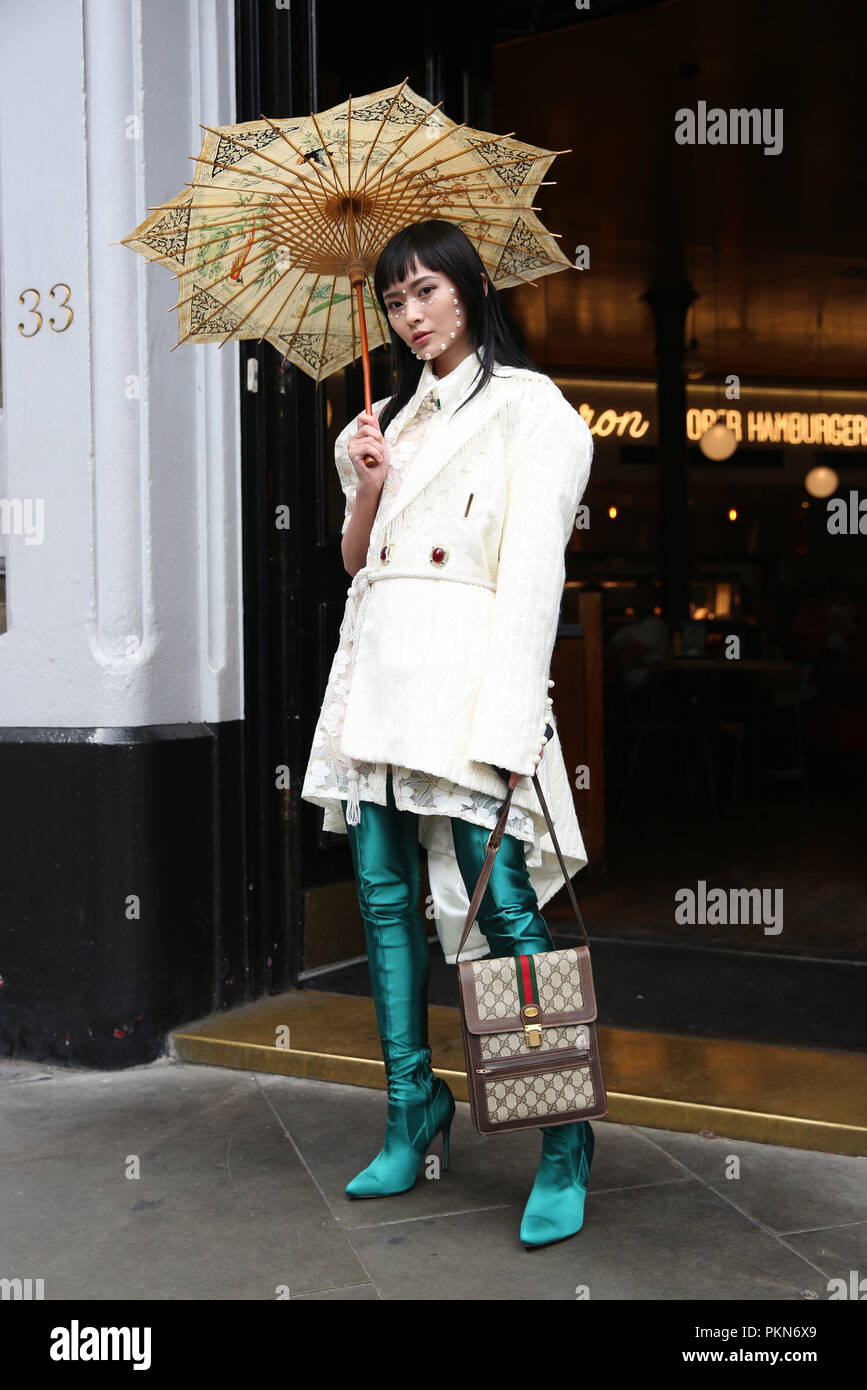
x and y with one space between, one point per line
555 1210
510 918
385 855
422 1106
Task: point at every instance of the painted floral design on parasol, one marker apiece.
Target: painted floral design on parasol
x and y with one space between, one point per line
279 232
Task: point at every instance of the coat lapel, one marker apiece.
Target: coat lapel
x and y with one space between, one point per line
434 454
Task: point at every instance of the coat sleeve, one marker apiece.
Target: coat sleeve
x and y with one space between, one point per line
343 462
548 464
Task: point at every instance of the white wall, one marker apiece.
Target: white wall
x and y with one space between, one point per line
128 611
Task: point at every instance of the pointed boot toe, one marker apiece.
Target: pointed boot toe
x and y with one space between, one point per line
555 1209
547 1227
411 1127
370 1183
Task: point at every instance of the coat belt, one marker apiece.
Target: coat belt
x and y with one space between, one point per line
350 630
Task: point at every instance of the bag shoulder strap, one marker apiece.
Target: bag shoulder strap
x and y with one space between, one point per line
494 839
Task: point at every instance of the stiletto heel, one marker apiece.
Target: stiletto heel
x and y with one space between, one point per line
411 1127
446 1133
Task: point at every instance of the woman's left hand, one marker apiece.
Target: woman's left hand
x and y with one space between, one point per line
513 777
549 734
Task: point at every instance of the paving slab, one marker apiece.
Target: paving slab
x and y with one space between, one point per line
227 1211
339 1129
240 1197
786 1189
671 1242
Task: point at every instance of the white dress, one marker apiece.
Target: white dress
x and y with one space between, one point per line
434 799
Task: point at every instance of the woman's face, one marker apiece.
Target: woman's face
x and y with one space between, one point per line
426 311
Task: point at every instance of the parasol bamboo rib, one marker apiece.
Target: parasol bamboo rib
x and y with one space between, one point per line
187 337
400 144
480 169
328 227
285 301
277 212
432 145
383 327
242 236
352 331
279 217
373 143
264 295
341 190
225 304
417 195
405 208
272 212
316 169
324 331
413 130
314 206
349 142
219 280
198 246
261 154
177 207
468 203
504 246
219 255
414 194
159 232
246 173
327 190
490 222
300 318
457 154
269 209
395 174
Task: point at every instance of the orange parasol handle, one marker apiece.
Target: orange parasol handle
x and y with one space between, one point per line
365 354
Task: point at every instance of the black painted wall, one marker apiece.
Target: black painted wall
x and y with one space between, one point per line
122 894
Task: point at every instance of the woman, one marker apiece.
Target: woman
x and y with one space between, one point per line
439 687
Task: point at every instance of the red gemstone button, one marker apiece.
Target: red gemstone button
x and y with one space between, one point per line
382 553
437 554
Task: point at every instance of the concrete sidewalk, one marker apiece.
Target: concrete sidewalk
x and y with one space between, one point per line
240 1195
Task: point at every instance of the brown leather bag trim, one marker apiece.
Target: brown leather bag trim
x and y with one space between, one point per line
512 1022
472 1026
479 1107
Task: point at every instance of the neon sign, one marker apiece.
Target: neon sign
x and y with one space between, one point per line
831 429
783 426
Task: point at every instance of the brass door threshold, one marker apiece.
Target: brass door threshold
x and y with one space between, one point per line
808 1098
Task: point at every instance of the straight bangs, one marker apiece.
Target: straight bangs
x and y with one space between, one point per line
437 245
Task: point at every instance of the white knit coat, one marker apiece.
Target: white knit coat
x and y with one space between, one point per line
450 658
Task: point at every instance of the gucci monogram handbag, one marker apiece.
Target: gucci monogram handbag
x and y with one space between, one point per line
529 1024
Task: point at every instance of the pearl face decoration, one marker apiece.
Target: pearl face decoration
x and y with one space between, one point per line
429 299
427 294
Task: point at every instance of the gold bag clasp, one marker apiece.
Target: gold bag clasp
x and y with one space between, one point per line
532 1020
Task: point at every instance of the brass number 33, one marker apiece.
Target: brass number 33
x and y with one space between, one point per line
32 309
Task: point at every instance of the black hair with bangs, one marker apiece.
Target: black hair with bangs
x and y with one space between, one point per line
441 246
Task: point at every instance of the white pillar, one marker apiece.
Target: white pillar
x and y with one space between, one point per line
127 610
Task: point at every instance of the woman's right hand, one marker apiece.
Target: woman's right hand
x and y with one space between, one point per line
367 442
